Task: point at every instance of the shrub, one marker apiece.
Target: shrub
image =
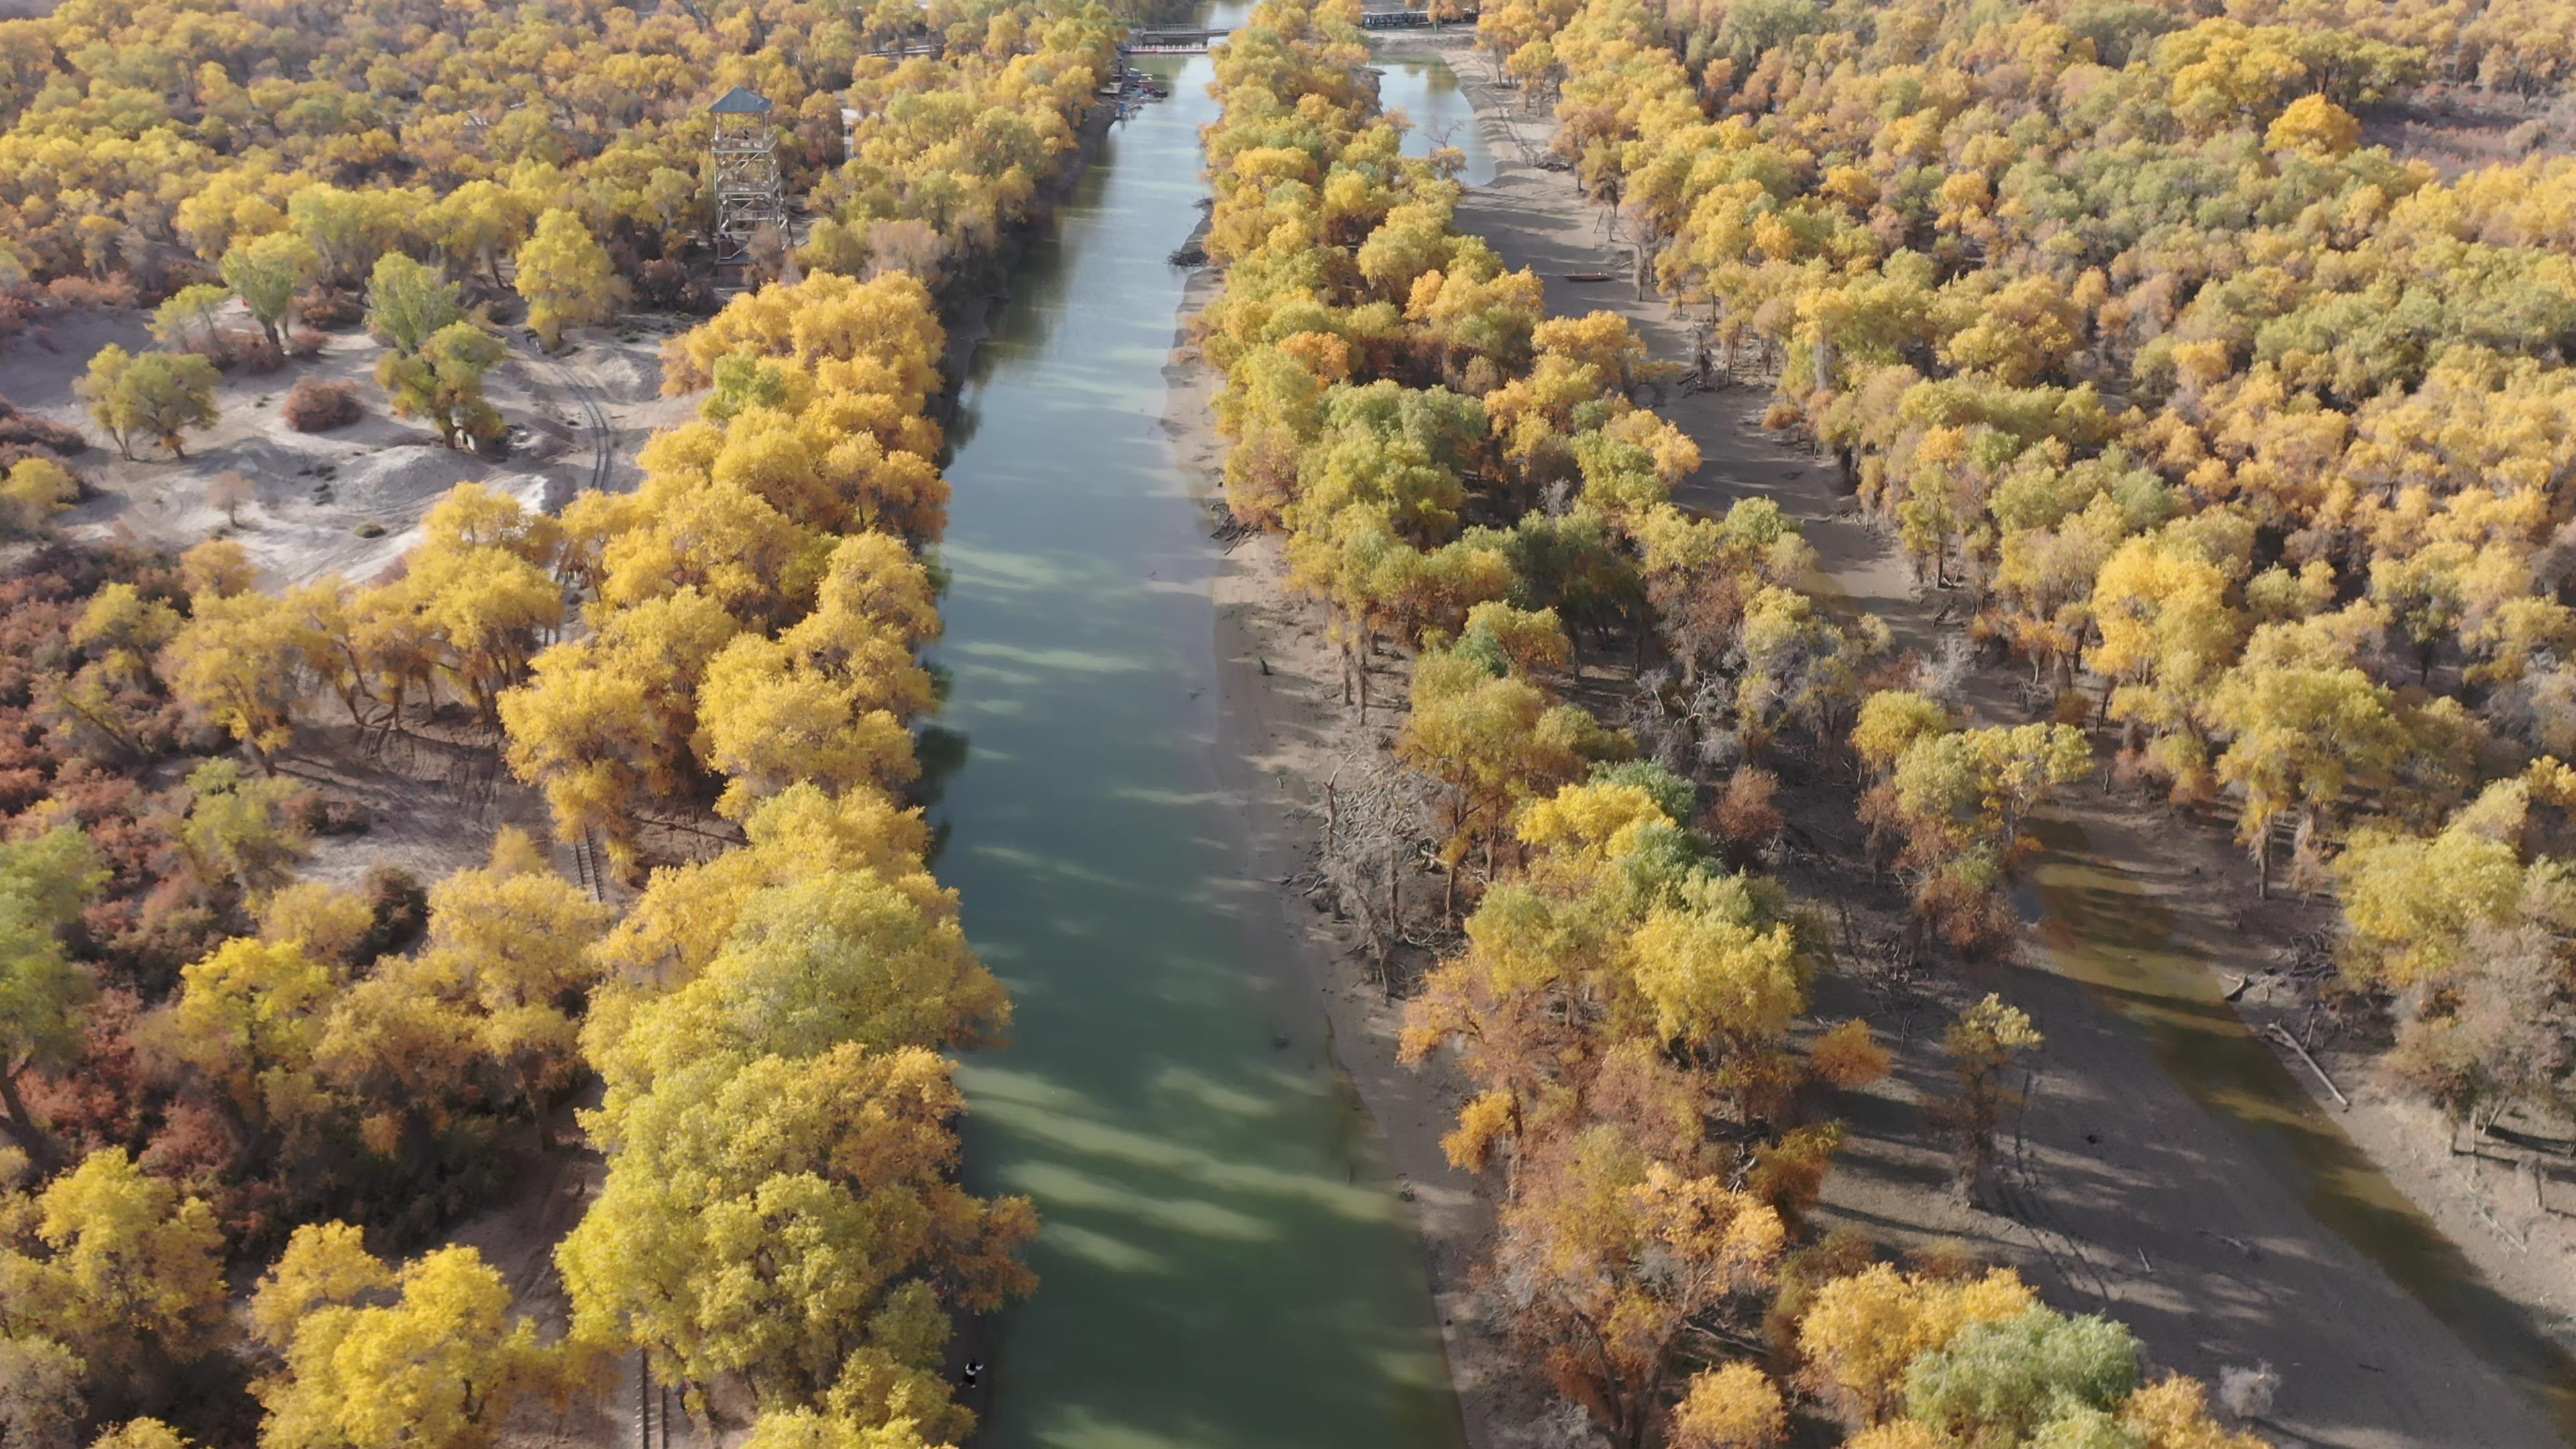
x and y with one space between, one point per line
19 429
74 293
315 406
402 912
304 343
251 350
329 308
320 814
666 285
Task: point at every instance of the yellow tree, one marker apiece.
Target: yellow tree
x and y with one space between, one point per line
792 1224
565 278
379 1359
515 936
1859 1333
117 1266
238 663
248 1018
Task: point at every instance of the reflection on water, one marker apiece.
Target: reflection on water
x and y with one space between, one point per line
2104 929
1426 91
1225 1262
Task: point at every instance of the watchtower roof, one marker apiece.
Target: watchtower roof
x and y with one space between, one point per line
740 102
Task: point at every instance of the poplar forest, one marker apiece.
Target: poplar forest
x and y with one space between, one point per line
477 726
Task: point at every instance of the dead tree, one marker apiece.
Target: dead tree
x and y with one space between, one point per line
1374 814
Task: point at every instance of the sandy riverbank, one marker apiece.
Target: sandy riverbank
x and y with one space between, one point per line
2177 1214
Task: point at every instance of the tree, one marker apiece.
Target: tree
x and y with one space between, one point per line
792 1224
1861 1332
517 935
266 272
1984 1044
44 885
807 1429
156 395
2303 737
191 307
440 1364
1732 1406
237 833
40 1392
2315 127
32 491
249 1017
2003 1382
565 277
131 1276
477 223
838 956
228 491
1610 1256
443 381
238 663
1494 739
408 303
142 1434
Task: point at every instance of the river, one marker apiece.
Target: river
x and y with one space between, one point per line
1226 1261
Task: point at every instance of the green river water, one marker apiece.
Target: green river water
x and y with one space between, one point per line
1225 1260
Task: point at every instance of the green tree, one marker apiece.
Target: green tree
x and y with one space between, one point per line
2001 1383
408 303
190 308
443 382
266 271
157 395
44 884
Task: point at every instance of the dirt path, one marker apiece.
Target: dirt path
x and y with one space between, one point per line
2129 1196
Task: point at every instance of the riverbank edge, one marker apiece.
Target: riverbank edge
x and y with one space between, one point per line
1280 729
968 313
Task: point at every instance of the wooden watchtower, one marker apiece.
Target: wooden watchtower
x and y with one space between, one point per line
750 192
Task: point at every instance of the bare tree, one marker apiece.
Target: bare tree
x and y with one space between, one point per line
229 490
1374 814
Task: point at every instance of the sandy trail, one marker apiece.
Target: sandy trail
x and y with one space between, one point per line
2127 1196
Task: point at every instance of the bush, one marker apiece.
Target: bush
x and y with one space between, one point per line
329 308
315 405
304 343
320 814
74 293
402 912
18 429
666 285
250 349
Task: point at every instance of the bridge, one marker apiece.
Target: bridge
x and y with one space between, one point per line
1172 42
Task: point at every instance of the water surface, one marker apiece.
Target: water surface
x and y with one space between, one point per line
1225 1262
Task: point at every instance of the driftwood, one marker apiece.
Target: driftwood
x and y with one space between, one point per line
2284 1038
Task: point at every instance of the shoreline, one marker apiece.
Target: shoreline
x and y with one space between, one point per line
2140 1197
